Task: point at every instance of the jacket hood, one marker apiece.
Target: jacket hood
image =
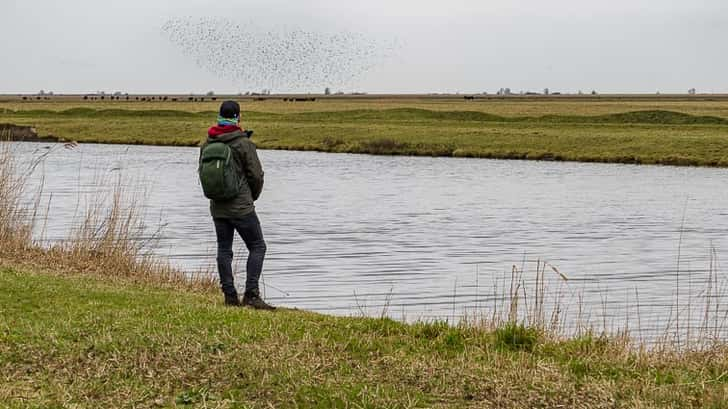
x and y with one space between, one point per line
224 133
218 130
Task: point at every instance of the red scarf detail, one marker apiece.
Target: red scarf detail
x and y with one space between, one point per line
218 130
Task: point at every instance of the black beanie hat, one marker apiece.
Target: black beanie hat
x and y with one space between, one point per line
230 110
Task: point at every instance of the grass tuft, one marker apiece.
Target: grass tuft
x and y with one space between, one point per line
516 337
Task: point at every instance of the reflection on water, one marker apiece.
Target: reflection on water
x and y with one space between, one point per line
430 237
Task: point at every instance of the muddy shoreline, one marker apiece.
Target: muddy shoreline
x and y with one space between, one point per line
18 133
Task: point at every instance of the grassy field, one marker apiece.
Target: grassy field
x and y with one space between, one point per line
651 130
85 342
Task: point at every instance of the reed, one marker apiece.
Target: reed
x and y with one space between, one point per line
547 306
110 238
15 232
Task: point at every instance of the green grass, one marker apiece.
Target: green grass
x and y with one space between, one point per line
73 341
649 136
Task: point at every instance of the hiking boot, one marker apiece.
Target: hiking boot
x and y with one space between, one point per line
232 300
253 300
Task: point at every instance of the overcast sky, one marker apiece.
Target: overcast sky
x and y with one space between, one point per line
444 46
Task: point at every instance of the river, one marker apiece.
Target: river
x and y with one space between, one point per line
429 238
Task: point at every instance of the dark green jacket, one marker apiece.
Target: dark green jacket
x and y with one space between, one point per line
248 166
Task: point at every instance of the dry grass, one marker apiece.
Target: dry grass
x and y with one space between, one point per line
110 238
14 227
546 305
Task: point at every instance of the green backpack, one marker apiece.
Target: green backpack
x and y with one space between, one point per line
218 175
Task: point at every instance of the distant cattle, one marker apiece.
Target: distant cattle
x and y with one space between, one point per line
469 97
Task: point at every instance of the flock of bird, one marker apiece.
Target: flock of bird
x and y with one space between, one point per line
255 57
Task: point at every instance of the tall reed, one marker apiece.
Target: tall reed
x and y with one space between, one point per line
547 302
110 238
15 230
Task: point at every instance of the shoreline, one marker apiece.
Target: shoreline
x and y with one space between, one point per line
658 131
402 151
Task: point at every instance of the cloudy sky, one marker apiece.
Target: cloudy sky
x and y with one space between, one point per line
441 46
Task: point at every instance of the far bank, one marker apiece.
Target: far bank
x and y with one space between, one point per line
689 133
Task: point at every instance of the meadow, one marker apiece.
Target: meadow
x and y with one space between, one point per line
623 129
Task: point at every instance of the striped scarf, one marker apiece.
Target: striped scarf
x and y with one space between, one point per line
226 121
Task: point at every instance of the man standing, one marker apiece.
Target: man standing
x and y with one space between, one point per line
232 178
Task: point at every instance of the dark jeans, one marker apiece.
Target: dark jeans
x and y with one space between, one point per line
248 227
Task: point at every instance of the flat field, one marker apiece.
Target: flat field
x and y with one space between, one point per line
673 130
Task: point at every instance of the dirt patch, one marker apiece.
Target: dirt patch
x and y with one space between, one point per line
24 134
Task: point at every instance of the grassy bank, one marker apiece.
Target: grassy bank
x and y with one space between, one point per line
670 131
72 341
94 321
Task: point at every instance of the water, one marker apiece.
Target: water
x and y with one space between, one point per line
423 238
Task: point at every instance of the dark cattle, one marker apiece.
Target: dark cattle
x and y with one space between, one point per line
469 97
174 99
164 99
214 98
190 99
25 98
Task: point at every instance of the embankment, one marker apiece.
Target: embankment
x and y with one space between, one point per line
638 137
85 342
24 134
